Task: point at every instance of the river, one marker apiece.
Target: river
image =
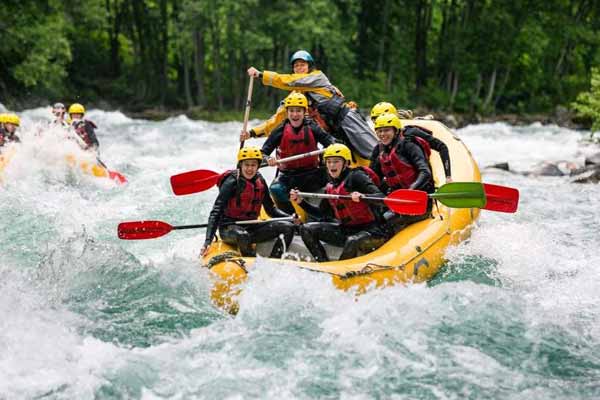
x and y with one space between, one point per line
514 314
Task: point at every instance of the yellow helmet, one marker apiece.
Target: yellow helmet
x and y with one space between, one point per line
12 119
388 120
382 108
296 99
249 153
76 108
3 118
338 150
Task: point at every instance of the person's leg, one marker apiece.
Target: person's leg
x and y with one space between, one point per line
312 182
236 235
312 234
363 241
397 222
280 191
275 229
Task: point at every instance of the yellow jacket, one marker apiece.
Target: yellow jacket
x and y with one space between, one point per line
316 83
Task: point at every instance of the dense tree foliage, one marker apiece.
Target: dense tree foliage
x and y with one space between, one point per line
463 55
588 103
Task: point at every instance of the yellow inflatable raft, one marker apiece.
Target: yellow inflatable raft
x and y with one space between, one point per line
95 169
5 158
414 254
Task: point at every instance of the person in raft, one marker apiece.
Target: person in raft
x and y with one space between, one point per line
412 132
401 163
296 135
8 127
355 224
60 113
346 123
84 128
242 192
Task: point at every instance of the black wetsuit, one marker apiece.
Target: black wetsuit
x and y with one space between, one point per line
435 144
244 236
411 153
363 238
304 179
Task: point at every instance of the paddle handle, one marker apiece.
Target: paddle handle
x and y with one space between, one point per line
300 156
247 111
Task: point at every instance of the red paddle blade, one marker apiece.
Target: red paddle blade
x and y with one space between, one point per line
143 230
501 198
117 177
408 202
193 181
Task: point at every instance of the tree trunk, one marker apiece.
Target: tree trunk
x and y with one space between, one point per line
114 14
423 21
454 89
500 90
186 81
476 93
381 53
164 45
199 67
490 93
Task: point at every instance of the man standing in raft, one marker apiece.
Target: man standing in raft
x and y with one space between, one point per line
345 122
401 163
353 224
296 136
242 192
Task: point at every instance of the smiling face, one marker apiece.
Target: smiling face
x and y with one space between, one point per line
10 128
386 135
249 168
335 166
295 115
300 67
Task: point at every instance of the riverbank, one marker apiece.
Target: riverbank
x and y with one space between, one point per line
561 117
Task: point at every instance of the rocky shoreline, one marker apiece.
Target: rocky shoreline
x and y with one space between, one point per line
561 117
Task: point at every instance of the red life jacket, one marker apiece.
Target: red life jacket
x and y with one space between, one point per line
350 213
81 128
374 177
398 173
293 143
246 203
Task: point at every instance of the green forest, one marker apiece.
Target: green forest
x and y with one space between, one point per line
465 56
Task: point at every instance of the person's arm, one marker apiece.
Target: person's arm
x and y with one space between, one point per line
362 183
226 192
437 145
265 128
315 81
321 136
272 142
415 156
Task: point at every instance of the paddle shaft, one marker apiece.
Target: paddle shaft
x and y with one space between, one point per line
247 111
300 156
344 197
249 222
